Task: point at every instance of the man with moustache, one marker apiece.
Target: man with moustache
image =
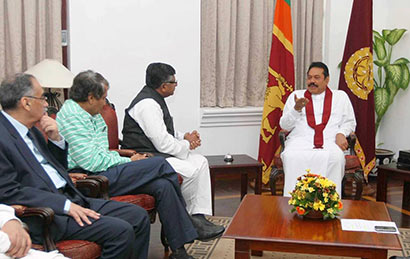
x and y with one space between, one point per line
319 120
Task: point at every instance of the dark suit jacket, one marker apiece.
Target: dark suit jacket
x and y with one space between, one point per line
24 181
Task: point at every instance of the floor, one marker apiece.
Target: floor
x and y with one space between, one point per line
227 201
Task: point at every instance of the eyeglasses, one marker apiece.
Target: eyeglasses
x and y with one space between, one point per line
42 98
172 82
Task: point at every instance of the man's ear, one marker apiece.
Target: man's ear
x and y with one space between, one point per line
25 104
90 99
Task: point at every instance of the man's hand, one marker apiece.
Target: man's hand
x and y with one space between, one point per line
300 103
20 241
138 156
77 176
341 141
193 139
49 126
81 214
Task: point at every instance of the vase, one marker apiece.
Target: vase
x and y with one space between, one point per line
313 214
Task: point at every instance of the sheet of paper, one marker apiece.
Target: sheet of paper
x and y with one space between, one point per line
367 225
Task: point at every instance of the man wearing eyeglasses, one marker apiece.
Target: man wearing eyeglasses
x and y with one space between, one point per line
33 173
148 127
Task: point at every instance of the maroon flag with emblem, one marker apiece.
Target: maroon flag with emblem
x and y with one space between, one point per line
356 79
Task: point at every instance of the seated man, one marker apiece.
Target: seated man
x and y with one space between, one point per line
148 127
32 173
15 241
319 119
82 125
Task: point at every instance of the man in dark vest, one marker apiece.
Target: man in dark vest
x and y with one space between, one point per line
148 127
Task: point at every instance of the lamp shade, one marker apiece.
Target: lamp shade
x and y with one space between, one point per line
52 74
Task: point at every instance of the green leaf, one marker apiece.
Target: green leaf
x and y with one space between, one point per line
380 63
395 36
386 33
379 48
405 78
394 72
377 34
381 101
401 61
392 89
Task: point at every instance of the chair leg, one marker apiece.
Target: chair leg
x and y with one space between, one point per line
274 174
358 179
164 240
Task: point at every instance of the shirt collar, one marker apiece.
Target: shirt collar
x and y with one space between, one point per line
21 129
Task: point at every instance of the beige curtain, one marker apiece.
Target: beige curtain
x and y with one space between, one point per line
235 46
30 31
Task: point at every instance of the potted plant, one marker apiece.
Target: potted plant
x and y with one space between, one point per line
391 77
315 196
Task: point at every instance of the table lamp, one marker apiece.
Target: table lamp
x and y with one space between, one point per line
50 74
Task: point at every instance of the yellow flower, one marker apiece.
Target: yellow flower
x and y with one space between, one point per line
325 194
330 210
310 189
325 199
318 205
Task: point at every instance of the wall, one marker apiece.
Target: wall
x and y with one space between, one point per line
394 128
120 38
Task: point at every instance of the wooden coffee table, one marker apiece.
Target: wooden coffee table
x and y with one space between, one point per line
390 171
265 223
242 165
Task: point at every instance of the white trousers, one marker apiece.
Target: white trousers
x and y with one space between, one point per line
35 254
328 162
196 187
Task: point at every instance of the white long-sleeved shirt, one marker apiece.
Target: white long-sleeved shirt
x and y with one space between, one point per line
148 114
6 214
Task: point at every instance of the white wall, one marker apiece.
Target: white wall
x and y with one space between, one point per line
120 38
395 125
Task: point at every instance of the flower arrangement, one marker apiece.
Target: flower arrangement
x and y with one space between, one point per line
315 193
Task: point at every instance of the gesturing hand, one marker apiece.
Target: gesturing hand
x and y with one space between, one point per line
138 156
300 103
49 126
341 141
81 214
20 241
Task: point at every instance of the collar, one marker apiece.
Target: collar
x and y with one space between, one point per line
21 129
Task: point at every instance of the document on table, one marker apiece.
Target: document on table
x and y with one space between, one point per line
369 226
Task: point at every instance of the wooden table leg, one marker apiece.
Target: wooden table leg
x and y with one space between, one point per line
258 181
242 249
213 192
381 194
406 196
244 184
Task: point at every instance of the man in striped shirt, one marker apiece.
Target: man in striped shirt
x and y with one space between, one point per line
83 127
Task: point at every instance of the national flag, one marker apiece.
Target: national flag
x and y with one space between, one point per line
281 81
356 79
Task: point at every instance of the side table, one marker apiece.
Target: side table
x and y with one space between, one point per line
390 171
242 165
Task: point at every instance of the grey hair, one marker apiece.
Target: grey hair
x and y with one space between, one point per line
86 83
13 88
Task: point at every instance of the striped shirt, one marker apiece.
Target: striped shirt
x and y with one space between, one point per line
87 138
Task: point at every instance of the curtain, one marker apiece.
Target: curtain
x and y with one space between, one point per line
30 31
235 45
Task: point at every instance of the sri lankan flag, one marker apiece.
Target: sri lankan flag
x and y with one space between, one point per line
280 85
356 79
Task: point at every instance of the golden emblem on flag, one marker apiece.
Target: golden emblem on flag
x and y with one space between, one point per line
359 73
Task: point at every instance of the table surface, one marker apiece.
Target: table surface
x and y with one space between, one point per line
272 222
392 167
239 160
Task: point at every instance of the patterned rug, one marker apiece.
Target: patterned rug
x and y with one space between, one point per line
223 248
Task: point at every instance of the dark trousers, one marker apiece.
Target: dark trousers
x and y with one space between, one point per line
123 230
154 176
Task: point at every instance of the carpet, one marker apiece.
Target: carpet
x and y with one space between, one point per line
223 248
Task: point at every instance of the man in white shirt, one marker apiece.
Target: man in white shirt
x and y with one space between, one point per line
148 127
15 241
319 120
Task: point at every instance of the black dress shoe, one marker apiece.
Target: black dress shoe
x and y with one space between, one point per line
180 253
206 230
